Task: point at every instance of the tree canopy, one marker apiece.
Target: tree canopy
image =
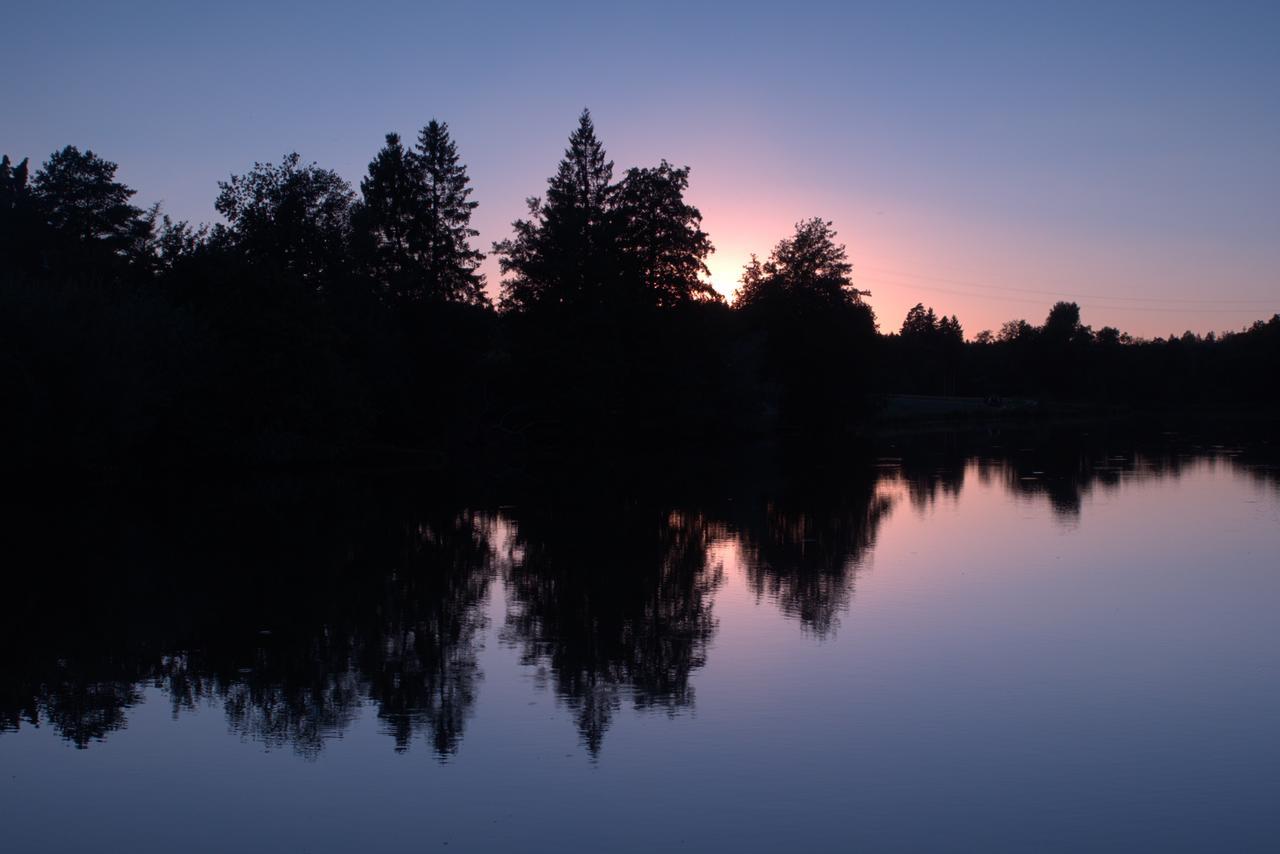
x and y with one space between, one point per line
809 267
87 211
444 232
659 238
313 321
559 255
295 217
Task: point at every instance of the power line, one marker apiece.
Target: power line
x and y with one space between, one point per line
971 284
1190 309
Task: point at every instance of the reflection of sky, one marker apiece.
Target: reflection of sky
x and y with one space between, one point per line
1001 681
1124 156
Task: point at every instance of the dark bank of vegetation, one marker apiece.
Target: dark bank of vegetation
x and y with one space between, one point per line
321 323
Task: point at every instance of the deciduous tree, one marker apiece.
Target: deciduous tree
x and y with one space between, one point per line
293 217
659 238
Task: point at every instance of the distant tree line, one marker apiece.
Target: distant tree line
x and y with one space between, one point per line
1066 360
318 322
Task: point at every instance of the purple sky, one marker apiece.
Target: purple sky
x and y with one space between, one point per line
985 159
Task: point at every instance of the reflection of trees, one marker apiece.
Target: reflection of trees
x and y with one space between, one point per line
290 616
292 710
83 709
803 554
1064 475
928 477
292 608
616 607
421 659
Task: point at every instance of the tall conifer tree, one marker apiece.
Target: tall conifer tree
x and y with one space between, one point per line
561 254
386 219
444 220
414 223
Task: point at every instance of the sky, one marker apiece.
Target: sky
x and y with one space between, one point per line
984 159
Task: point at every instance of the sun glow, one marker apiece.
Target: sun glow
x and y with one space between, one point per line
725 266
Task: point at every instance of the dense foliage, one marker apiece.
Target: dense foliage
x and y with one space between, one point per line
320 323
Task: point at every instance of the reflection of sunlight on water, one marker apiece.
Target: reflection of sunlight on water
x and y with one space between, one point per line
502 534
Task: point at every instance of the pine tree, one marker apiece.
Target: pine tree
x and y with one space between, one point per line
14 189
386 219
561 254
21 228
87 210
954 330
918 323
443 233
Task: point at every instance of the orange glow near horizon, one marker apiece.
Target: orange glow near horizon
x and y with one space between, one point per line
726 270
907 257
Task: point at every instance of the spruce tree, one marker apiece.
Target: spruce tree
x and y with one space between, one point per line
387 217
918 323
443 233
562 254
21 227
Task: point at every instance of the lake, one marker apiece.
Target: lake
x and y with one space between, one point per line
936 650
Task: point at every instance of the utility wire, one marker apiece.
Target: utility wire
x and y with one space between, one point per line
1189 309
1078 296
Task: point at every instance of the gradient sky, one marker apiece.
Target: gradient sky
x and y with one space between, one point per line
985 159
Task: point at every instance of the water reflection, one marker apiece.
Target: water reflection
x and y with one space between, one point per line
291 611
292 607
614 606
802 553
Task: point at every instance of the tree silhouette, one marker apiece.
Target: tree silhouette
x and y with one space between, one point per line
927 352
808 268
14 189
924 326
660 239
561 254
294 218
176 243
817 330
1109 337
449 263
1062 324
87 210
950 330
386 218
919 323
1016 330
310 328
21 230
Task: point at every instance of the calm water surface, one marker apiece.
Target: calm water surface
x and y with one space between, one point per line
994 653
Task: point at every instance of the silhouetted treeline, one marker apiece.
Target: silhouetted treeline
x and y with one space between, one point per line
321 322
1065 359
